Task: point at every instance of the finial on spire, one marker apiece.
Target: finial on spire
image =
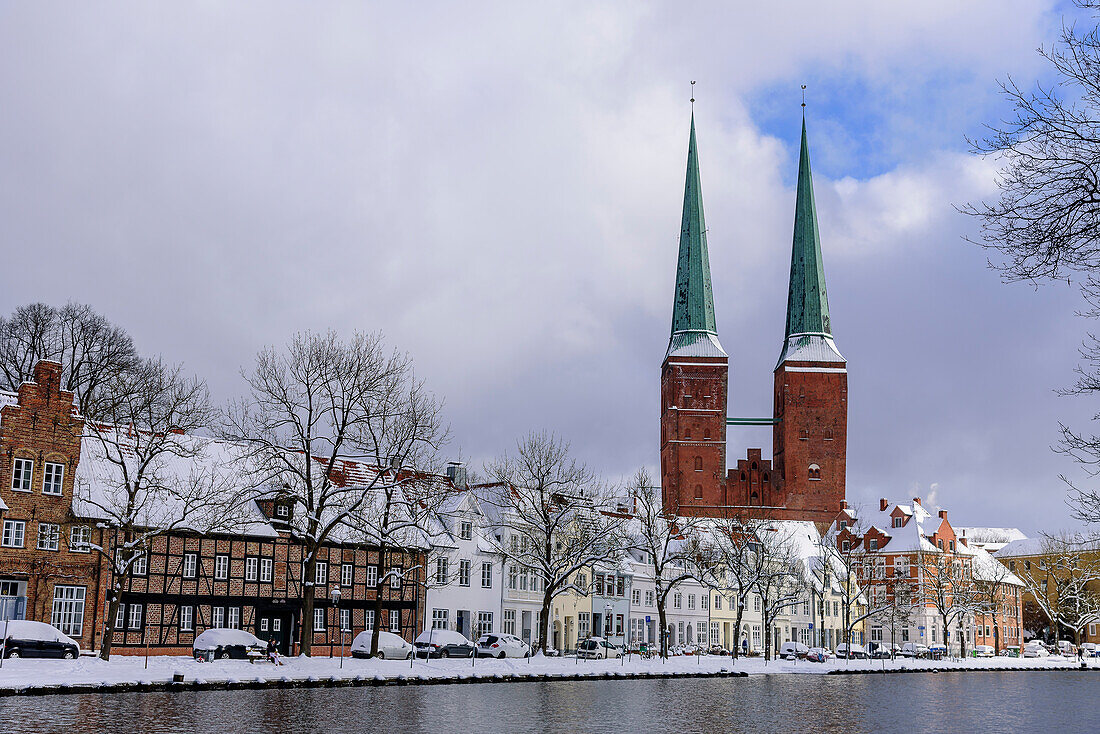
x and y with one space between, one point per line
803 98
693 95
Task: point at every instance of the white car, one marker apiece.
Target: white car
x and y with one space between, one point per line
913 650
793 650
598 648
223 643
390 646
1067 649
1090 649
982 651
855 652
1035 650
502 646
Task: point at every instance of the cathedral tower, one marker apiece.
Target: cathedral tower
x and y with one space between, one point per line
810 433
694 371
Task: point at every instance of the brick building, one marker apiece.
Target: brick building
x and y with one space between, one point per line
805 478
250 578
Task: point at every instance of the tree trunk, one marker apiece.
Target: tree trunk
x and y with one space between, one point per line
109 627
379 585
737 629
308 592
662 633
547 605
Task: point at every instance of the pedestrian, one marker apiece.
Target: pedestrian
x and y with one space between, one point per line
273 651
745 646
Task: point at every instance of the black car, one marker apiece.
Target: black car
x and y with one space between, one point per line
227 644
28 639
443 644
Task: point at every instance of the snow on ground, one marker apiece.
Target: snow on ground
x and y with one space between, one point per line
125 669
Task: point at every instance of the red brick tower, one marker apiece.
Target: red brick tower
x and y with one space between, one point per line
694 371
811 380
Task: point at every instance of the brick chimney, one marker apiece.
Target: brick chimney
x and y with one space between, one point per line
883 504
943 514
916 500
844 504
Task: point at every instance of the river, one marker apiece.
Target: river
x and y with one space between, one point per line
911 703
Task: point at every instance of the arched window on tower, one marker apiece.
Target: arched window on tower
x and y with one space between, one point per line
804 435
754 466
754 499
743 476
698 491
765 478
828 434
815 471
698 463
687 433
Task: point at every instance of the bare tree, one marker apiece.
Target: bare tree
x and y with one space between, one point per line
341 431
670 544
992 580
948 585
729 562
1064 581
145 475
780 575
557 519
92 352
860 572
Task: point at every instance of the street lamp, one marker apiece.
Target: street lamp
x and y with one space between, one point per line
339 622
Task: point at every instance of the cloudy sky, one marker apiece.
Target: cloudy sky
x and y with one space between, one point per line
497 188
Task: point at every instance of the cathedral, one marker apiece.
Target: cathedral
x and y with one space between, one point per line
804 479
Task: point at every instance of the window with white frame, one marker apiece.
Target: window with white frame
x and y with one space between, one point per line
345 620
441 571
140 563
217 616
715 632
190 565
120 617
49 536
464 572
680 633
620 587
395 577
187 618
677 600
372 576
806 608
52 477
221 567
347 574
320 573
876 633
584 624
484 623
691 601
135 616
756 602
636 597
68 609
21 474
80 538
395 621
513 577
509 625
486 575
368 619
319 619
14 530
251 568
266 565
466 531
282 511
649 597
439 619
234 621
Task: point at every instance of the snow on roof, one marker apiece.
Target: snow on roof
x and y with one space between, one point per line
910 537
992 539
1022 547
694 344
810 348
988 568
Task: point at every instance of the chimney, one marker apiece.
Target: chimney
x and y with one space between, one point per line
916 500
456 472
883 504
844 504
943 514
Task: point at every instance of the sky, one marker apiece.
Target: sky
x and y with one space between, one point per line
497 188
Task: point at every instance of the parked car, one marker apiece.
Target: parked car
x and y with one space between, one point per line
882 650
1035 649
937 652
390 646
854 652
1090 650
982 651
818 654
502 646
913 650
443 644
227 644
1010 652
29 639
793 650
598 648
1067 649
717 650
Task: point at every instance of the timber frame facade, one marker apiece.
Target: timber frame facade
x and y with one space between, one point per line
189 582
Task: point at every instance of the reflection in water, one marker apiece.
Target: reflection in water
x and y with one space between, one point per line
993 702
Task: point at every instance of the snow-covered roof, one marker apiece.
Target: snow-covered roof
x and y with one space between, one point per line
992 539
988 568
912 536
810 348
694 344
1022 547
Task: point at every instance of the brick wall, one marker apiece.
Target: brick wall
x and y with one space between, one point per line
693 432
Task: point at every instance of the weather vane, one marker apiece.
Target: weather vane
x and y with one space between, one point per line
803 96
693 95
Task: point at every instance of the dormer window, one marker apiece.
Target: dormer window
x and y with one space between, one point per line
898 522
872 544
843 524
282 512
466 531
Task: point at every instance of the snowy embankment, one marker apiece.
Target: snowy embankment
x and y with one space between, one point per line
126 673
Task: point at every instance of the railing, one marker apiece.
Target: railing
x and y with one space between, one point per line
13 607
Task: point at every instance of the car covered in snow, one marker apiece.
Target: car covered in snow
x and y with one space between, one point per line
222 643
913 650
982 651
1090 650
853 651
1035 649
793 650
937 651
502 646
818 654
597 648
882 650
25 638
1067 649
390 646
435 643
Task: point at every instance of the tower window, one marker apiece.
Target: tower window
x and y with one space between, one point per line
815 471
828 434
743 477
698 491
754 499
804 435
706 434
698 463
754 466
687 433
765 478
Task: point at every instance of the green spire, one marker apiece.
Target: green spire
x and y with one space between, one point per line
807 302
693 308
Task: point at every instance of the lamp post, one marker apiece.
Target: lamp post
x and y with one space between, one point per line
608 610
339 623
